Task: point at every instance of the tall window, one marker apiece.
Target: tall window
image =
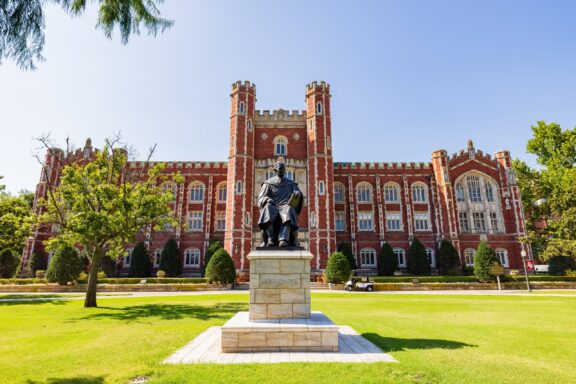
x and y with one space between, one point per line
477 203
338 193
239 188
391 193
401 256
195 221
321 188
479 222
459 192
474 188
157 255
502 255
469 254
489 191
220 221
319 108
394 221
364 193
197 192
280 144
127 258
419 193
340 221
222 192
463 219
431 257
367 257
169 187
421 221
494 221
241 108
192 257
365 221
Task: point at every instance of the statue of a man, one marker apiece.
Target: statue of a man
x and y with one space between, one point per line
280 202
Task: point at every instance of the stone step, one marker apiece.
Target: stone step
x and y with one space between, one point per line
318 286
242 287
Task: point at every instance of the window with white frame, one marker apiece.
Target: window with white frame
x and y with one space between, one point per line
431 257
419 193
463 219
195 220
157 255
364 193
313 219
250 127
222 192
339 191
489 191
477 201
321 188
247 219
192 257
319 108
220 221
502 255
239 188
474 188
127 257
280 146
365 221
367 257
421 221
392 193
459 192
469 254
494 221
340 221
394 221
401 256
241 108
169 187
479 222
197 192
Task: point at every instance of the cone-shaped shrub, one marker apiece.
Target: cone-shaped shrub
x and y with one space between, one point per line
483 259
65 266
418 263
338 268
8 263
448 260
140 265
221 268
346 249
212 248
387 261
170 258
37 261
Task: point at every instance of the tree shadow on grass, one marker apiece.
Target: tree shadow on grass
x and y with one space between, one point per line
392 344
168 312
70 380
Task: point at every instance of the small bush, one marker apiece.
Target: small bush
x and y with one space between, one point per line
8 263
448 259
65 266
418 263
140 265
483 260
212 248
346 249
558 265
170 258
338 268
37 261
387 261
221 268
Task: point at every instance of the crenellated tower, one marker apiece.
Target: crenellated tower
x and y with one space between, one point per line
240 193
319 196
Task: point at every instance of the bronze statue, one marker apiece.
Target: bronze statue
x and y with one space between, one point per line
280 202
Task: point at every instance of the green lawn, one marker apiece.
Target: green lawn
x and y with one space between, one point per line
435 338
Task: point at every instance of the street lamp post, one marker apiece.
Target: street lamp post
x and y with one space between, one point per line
523 254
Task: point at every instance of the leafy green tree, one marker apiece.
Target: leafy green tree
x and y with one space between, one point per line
8 263
221 268
64 266
22 24
483 260
448 259
16 218
100 206
37 262
140 264
346 249
338 268
418 263
170 258
387 261
212 248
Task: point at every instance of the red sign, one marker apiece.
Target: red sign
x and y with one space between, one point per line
530 265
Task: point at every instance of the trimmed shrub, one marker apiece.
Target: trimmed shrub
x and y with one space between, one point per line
221 268
8 263
140 265
558 265
483 260
170 258
65 266
338 268
387 261
448 259
346 249
109 266
418 263
212 248
426 279
37 261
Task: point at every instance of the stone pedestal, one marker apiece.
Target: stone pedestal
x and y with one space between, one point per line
279 319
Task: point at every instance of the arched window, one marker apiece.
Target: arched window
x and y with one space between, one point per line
250 127
128 257
339 191
469 254
319 108
280 146
197 192
239 188
192 257
157 255
364 193
473 183
431 257
477 203
392 193
368 257
502 255
489 191
241 108
222 192
459 192
401 256
321 188
419 193
169 186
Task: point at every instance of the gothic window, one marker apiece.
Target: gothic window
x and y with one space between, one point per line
419 193
489 191
392 193
469 254
222 192
502 255
195 220
239 188
394 221
463 219
319 108
157 255
241 108
364 193
401 256
321 188
479 221
367 257
192 257
128 257
339 191
459 192
197 192
250 127
220 221
495 222
478 204
247 219
421 221
169 186
365 221
474 188
431 257
280 146
340 221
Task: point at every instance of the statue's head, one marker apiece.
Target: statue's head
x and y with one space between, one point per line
280 169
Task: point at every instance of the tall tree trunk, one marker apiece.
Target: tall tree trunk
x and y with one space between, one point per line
90 300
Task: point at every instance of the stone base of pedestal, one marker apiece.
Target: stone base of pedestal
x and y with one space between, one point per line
316 334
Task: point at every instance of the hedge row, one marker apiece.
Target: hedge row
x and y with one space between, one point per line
465 279
120 280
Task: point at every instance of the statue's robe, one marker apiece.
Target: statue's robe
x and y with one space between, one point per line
279 190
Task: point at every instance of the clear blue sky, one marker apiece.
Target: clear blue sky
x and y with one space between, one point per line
407 77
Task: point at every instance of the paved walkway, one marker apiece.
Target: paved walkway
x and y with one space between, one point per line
205 348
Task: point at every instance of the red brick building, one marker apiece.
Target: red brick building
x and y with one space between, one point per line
465 198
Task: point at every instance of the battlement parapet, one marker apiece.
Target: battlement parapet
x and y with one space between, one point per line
247 86
280 115
315 87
